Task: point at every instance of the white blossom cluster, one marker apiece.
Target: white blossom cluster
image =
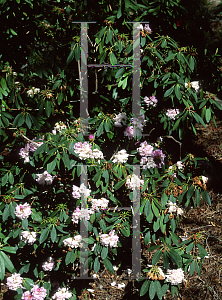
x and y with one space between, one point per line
179 165
119 120
101 203
80 214
62 294
28 237
59 126
146 28
85 151
77 191
33 146
174 208
49 264
150 101
33 91
129 132
133 182
120 157
139 122
14 282
145 149
23 211
175 276
45 178
38 293
194 84
172 113
110 239
73 242
204 179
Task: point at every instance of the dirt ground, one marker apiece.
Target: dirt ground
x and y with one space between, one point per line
205 220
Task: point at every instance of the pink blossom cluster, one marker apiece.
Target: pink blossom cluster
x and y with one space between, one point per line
150 158
80 214
101 203
85 151
129 132
14 282
23 211
146 28
77 191
73 242
172 113
28 237
150 101
45 178
110 239
49 264
36 293
33 146
119 120
133 182
62 294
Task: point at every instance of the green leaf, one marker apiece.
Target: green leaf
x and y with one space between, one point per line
53 234
197 196
189 247
190 192
48 108
100 129
159 290
152 289
77 52
119 184
147 238
69 257
36 216
156 256
144 288
202 251
169 92
11 178
120 72
108 265
66 160
104 253
96 265
191 63
178 92
44 235
9 249
5 179
40 149
208 115
28 121
51 166
8 263
206 197
113 59
165 260
119 13
192 267
6 213
2 267
109 36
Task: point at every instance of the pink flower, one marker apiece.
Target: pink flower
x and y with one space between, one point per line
147 28
23 211
129 132
158 157
27 296
38 293
145 149
91 137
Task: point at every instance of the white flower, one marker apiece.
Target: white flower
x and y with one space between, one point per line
121 157
49 264
77 191
133 182
139 122
59 126
129 132
14 282
205 179
28 237
24 153
194 84
38 293
83 190
174 208
113 283
110 239
145 149
97 154
80 214
33 91
115 268
44 178
121 285
175 276
140 27
99 203
23 211
172 113
180 165
119 120
74 242
62 294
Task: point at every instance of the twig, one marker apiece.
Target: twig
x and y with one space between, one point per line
170 137
200 227
210 288
29 139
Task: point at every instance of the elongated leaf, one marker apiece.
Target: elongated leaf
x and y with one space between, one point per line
69 257
51 166
104 253
156 256
144 288
2 267
96 265
108 265
53 234
44 235
152 289
7 261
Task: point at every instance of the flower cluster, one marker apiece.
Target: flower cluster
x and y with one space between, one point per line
33 146
139 122
150 101
99 203
119 120
74 242
150 158
110 239
38 293
133 182
49 264
28 237
77 191
194 84
120 157
129 132
174 208
62 294
172 113
85 151
175 276
33 91
23 211
80 214
14 282
59 126
45 178
146 28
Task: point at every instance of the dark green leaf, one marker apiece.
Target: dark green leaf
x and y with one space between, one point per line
144 288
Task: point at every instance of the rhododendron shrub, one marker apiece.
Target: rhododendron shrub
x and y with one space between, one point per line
67 180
